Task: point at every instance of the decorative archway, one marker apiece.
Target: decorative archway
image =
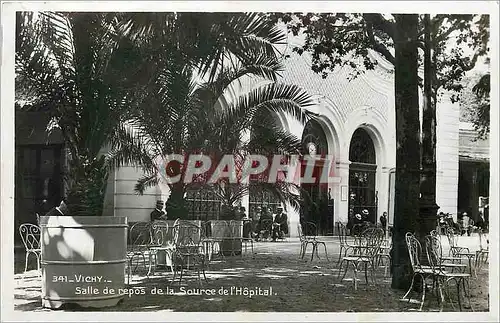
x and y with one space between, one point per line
362 175
317 204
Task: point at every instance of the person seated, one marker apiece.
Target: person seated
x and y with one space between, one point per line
158 213
62 209
357 224
280 224
265 223
365 215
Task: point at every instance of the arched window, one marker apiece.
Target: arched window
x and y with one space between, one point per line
361 149
315 207
362 171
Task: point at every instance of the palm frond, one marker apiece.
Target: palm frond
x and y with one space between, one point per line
146 182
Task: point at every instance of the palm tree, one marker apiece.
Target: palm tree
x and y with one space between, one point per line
66 64
193 115
88 69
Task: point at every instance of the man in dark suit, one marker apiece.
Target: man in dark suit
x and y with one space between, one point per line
158 213
280 224
62 209
265 222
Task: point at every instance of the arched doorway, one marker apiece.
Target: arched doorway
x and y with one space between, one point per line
317 204
362 171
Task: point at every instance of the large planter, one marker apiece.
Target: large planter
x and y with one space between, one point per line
83 260
231 244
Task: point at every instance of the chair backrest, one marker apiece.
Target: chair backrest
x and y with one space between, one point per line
434 252
161 235
206 229
482 240
452 238
414 250
187 234
219 229
386 243
236 229
140 234
371 239
30 235
299 230
342 231
310 229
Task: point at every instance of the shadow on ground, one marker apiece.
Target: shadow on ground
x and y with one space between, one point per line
286 284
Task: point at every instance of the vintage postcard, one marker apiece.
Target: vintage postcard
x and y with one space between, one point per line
249 161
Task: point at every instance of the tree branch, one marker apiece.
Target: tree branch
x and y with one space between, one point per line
468 67
380 23
444 35
378 47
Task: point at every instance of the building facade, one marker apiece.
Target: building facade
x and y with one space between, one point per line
356 126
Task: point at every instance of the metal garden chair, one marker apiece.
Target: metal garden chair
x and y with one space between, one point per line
30 235
444 277
188 249
365 253
308 235
345 246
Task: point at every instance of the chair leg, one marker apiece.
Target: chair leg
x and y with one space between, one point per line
38 255
366 273
340 268
340 254
26 262
457 282
410 289
345 271
303 250
355 265
467 289
424 287
372 273
326 253
315 249
441 296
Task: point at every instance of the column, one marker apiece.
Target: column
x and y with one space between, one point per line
342 205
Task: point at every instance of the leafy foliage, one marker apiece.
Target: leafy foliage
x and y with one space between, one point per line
186 114
475 103
66 64
102 74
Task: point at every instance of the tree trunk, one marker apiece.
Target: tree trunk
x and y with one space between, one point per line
407 145
176 206
428 207
88 188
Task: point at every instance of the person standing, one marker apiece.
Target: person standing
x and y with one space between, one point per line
383 221
158 213
350 219
486 215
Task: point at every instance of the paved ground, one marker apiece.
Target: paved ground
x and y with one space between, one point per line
298 285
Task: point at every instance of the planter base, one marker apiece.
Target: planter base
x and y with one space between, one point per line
98 303
231 247
83 260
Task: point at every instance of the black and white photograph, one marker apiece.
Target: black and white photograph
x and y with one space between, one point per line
249 161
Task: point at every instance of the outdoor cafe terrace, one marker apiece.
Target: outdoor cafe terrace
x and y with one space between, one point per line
276 278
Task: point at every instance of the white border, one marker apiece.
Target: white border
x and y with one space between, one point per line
7 152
